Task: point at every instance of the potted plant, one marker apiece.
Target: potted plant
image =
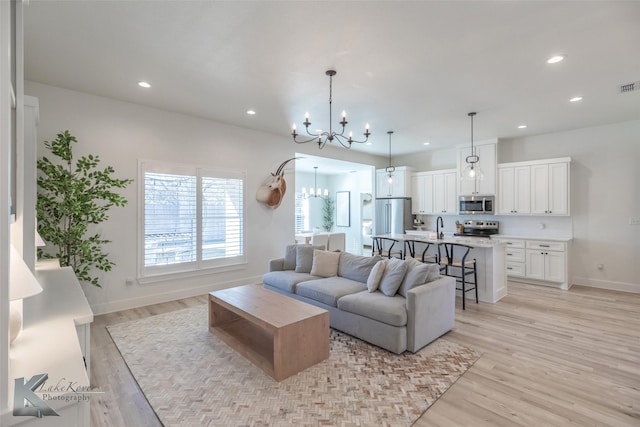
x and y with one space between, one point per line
73 195
328 211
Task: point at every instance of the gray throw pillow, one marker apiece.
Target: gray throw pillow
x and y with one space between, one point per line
417 273
434 273
304 257
290 257
394 272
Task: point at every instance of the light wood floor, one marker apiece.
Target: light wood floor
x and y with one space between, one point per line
549 358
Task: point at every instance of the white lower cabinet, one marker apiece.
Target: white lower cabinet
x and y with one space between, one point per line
546 261
515 257
540 261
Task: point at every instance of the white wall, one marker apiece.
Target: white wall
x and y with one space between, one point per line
121 133
605 193
356 183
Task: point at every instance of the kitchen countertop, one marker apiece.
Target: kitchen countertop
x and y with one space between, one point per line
475 242
513 236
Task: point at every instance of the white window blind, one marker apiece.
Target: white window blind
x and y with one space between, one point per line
301 213
193 218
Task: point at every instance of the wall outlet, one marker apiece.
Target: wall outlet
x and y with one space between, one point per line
129 281
634 220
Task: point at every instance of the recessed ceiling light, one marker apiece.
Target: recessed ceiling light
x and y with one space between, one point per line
251 112
522 127
145 85
426 143
576 99
555 59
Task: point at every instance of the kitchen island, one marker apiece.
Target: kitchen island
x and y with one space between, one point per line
489 255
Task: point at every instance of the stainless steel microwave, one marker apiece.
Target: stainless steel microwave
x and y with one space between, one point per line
476 205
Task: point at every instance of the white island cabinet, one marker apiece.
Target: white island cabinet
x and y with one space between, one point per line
54 341
490 257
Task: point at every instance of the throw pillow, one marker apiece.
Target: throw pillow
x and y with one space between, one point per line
325 263
290 257
394 272
434 273
304 258
375 276
417 273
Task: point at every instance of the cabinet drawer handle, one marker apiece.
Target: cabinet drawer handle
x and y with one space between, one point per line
509 268
544 246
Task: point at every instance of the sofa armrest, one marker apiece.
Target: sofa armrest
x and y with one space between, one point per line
431 311
276 264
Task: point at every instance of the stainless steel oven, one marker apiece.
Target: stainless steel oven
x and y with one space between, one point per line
476 205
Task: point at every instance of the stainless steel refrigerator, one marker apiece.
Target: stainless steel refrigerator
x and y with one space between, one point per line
393 216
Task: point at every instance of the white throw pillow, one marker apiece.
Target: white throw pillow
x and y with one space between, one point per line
374 277
325 263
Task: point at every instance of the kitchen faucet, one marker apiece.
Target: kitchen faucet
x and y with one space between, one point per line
439 223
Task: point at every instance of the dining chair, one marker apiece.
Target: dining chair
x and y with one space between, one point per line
320 240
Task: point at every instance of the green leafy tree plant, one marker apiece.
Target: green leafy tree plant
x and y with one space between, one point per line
328 210
74 194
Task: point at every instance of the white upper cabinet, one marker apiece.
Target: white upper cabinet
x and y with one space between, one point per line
550 189
538 187
487 154
434 192
422 193
400 185
444 192
514 190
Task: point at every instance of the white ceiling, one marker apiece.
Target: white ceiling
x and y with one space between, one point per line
413 67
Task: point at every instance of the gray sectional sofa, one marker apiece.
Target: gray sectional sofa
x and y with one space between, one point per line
396 318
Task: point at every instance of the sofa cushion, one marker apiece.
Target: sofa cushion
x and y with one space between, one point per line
286 280
375 276
325 263
394 272
329 290
356 267
418 274
377 306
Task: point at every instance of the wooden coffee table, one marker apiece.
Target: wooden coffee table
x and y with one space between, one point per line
280 335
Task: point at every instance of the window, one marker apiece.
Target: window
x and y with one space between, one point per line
192 218
301 213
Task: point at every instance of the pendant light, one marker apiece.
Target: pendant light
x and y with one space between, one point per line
390 169
472 171
315 191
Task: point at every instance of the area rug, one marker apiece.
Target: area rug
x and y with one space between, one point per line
191 378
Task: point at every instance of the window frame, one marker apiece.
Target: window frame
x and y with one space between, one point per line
150 274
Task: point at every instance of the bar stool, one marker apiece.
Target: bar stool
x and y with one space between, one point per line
455 258
410 251
383 246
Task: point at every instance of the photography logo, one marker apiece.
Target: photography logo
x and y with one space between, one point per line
26 402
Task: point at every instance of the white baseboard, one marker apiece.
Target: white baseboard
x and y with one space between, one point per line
607 284
129 303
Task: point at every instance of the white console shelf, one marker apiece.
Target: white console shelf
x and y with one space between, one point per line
55 340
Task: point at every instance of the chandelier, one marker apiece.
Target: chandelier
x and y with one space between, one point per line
314 191
323 136
472 171
390 169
